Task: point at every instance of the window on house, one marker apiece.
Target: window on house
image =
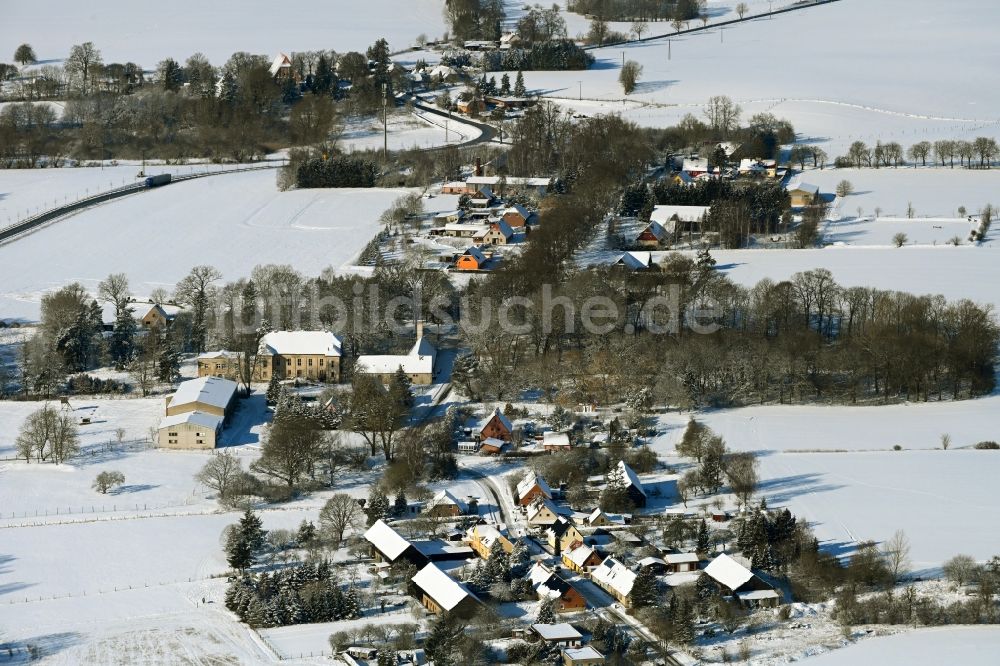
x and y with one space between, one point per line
321 362
310 363
171 434
298 361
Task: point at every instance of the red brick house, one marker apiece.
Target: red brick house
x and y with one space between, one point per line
495 426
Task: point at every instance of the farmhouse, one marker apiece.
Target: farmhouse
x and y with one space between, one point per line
190 430
801 194
598 518
758 168
681 562
496 233
652 235
483 537
616 579
548 585
306 354
695 166
582 656
439 593
157 315
531 488
742 583
495 426
582 558
417 365
562 635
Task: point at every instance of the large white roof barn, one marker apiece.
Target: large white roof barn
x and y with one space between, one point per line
386 540
210 421
214 391
444 590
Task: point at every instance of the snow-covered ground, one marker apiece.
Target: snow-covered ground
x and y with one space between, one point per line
876 89
232 222
835 467
969 646
416 130
218 30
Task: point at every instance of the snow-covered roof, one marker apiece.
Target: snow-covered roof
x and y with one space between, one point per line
682 578
656 229
494 442
681 558
630 476
698 164
444 71
635 260
728 572
555 439
194 418
464 227
486 534
475 253
541 503
519 209
445 498
280 61
320 343
580 554
500 415
757 595
529 482
222 353
799 186
545 582
442 588
503 227
665 214
563 631
595 515
582 653
386 540
649 561
615 575
214 391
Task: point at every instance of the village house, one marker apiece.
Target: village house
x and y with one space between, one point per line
677 220
470 107
756 168
801 194
582 656
542 512
417 364
532 487
653 235
683 178
453 187
548 585
460 230
516 215
509 40
616 579
472 259
598 518
445 505
560 635
482 538
635 260
495 426
281 68
563 535
582 558
439 593
157 315
740 582
695 166
495 233
633 487
681 562
556 441
300 354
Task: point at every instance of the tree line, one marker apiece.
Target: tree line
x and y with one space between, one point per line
980 153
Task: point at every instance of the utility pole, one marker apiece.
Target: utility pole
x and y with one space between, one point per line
669 49
581 89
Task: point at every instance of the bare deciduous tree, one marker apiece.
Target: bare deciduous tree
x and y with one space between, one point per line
896 552
340 513
221 473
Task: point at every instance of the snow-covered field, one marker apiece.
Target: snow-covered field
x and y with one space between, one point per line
835 467
876 89
232 222
417 130
969 646
218 29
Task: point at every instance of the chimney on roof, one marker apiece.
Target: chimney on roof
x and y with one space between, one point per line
479 166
